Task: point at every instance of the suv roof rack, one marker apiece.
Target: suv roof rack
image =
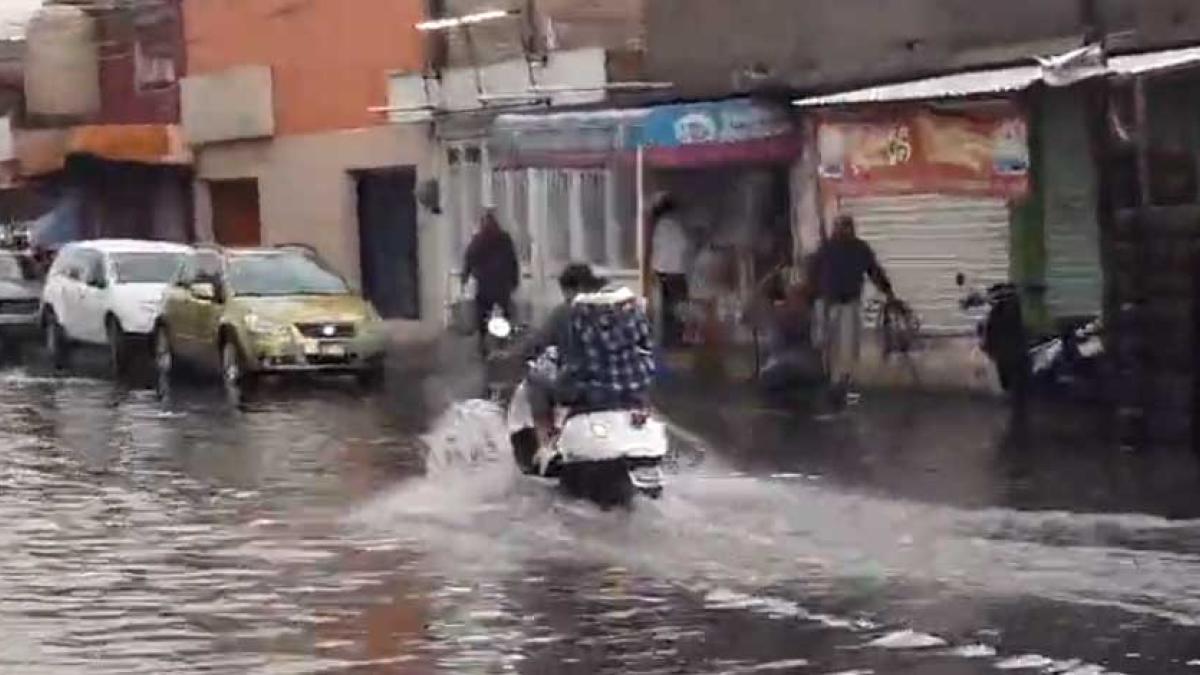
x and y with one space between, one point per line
306 249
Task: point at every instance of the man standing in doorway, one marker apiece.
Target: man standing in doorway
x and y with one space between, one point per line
670 248
841 266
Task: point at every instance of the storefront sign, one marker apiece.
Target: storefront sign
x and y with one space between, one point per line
580 140
922 151
720 132
675 136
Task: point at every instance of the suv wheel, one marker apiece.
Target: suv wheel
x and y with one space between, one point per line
234 376
118 347
58 348
164 361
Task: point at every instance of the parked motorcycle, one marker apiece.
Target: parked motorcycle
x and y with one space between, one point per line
500 371
1066 365
607 456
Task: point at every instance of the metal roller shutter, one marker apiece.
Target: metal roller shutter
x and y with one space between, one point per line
1074 277
924 241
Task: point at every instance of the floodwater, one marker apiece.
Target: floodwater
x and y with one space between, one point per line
321 531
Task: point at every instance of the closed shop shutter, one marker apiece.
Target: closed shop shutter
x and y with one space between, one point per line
924 241
1074 277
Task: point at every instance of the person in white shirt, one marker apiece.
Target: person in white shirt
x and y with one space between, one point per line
670 250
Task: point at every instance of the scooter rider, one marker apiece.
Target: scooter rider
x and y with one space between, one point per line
535 398
555 331
609 360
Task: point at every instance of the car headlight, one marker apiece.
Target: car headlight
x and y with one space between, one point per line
260 326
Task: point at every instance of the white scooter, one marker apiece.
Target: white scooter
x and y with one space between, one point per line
605 456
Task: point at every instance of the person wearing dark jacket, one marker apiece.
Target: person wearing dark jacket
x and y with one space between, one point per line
842 265
491 260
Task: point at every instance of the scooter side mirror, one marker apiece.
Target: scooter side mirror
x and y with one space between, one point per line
960 279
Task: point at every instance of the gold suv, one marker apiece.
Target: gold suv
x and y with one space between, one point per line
250 312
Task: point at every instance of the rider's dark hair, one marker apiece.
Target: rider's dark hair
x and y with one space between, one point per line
579 278
665 205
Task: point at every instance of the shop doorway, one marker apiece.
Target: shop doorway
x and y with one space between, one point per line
235 212
737 222
388 245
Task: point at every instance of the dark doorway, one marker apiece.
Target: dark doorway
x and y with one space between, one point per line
387 236
235 212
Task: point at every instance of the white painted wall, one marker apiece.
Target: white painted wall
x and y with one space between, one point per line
458 89
235 104
8 150
307 193
584 70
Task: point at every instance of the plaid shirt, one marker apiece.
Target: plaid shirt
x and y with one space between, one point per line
610 354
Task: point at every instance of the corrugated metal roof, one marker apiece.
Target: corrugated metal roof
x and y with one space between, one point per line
1137 64
944 86
996 81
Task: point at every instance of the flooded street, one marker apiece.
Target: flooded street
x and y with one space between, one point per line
310 533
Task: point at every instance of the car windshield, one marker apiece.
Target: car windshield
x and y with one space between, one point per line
16 268
145 268
282 274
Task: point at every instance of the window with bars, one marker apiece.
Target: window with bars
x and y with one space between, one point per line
566 214
591 244
559 212
464 170
510 194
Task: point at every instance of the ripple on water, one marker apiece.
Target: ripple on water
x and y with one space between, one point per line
144 540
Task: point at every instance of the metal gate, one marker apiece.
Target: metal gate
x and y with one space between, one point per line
1074 276
924 241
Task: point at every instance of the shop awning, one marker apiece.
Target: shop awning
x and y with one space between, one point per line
958 85
1154 62
686 135
140 143
998 80
566 139
40 151
716 133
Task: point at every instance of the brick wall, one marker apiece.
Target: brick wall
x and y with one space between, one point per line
150 32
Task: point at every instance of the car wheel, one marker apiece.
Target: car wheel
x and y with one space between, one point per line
118 348
234 376
57 346
164 362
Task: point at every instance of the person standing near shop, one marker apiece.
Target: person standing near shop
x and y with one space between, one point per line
669 256
841 266
491 260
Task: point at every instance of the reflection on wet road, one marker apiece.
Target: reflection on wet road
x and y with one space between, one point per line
308 534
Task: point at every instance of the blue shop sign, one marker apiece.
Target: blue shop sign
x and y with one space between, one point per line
732 121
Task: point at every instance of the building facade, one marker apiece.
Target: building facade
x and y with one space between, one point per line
510 137
281 109
827 45
100 130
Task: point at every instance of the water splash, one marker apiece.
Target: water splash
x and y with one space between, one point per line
470 435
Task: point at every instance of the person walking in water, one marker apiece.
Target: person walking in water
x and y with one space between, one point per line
491 259
841 266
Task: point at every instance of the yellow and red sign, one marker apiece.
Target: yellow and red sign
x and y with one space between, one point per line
922 151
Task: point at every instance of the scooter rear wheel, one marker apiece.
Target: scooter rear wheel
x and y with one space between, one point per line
605 484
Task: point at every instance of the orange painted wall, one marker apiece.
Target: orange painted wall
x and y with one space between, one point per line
330 58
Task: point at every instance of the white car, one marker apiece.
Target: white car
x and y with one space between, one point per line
106 292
